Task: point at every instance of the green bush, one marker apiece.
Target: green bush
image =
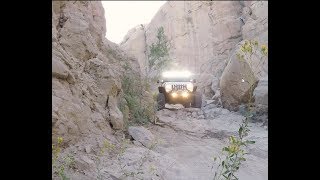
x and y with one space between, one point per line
141 107
158 55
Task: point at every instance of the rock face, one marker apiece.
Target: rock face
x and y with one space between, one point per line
203 37
255 16
86 73
233 91
136 45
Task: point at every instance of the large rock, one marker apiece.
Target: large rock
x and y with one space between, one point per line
59 70
116 118
240 77
237 84
142 135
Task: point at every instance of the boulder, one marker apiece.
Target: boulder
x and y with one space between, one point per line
116 118
59 70
142 135
237 84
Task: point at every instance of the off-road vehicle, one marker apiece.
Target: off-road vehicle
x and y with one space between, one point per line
177 87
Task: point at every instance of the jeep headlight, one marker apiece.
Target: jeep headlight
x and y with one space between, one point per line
168 87
190 86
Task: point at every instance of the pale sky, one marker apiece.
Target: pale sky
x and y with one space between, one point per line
121 16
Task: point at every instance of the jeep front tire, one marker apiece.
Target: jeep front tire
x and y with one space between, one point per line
197 100
186 105
161 101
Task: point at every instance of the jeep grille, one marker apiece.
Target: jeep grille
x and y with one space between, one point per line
177 87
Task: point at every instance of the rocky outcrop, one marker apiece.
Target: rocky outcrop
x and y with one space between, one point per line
135 44
233 91
142 135
203 36
255 17
86 73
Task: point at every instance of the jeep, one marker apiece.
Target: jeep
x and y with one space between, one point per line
177 87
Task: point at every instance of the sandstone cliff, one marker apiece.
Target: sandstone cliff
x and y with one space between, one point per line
86 73
203 36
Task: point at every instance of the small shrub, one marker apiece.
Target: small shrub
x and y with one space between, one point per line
141 108
56 149
158 56
66 162
234 154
